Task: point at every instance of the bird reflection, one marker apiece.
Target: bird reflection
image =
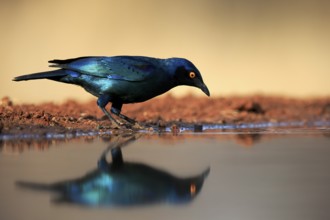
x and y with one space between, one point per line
119 183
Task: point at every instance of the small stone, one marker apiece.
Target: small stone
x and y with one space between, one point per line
175 129
1 126
198 128
5 101
251 107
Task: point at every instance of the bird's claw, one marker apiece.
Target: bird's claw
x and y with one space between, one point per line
138 126
133 126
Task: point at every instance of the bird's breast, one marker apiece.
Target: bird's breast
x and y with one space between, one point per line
130 92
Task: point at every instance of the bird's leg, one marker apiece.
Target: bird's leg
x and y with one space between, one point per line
115 149
134 124
117 157
109 116
102 101
116 109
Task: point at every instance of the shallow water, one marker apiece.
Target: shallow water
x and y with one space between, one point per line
254 174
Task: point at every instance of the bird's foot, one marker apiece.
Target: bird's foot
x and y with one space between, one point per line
116 124
134 126
123 121
131 123
138 126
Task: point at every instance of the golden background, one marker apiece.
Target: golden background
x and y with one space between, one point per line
239 46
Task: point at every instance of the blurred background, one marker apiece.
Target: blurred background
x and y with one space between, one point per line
241 47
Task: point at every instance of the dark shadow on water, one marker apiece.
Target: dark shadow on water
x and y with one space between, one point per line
123 184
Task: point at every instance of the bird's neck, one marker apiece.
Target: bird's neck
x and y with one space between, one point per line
170 66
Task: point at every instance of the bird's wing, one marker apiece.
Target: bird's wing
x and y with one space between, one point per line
128 68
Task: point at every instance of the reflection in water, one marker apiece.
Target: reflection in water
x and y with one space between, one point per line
122 183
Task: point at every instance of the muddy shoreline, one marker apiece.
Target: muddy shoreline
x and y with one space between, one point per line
162 111
31 126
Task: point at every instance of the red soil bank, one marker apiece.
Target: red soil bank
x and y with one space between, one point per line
164 110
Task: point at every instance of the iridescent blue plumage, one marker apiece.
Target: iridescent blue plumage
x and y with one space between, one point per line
121 183
123 79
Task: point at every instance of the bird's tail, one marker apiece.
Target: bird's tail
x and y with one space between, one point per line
40 186
54 75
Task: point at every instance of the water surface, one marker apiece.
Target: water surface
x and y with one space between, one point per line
264 174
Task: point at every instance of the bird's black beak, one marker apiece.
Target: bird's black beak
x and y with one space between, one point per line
204 88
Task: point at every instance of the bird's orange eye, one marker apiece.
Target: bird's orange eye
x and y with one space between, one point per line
192 189
192 75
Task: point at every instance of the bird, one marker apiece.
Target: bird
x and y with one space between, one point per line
121 183
122 79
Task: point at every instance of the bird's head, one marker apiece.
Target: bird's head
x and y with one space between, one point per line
185 73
